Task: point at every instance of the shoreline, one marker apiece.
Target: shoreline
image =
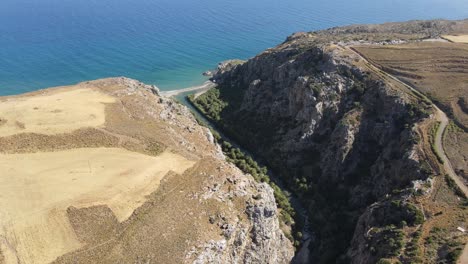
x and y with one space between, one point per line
201 88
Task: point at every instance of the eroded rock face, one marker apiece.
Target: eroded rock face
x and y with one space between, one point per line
258 241
294 110
265 233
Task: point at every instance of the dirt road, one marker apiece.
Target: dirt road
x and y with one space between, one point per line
464 256
444 121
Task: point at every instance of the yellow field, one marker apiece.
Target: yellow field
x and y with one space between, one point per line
54 113
37 188
457 38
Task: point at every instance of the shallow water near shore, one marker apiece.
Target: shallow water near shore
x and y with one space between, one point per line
168 43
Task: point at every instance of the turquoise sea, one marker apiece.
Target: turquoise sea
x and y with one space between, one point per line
169 43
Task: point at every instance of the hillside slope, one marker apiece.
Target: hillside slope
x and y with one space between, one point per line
110 172
355 144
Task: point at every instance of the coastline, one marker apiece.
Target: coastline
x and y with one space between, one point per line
201 88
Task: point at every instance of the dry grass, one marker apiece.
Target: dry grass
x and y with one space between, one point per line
456 146
56 112
41 186
457 38
171 220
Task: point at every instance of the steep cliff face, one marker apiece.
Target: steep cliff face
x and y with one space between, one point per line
303 108
257 240
341 135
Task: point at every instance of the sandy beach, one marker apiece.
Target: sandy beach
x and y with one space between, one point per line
204 87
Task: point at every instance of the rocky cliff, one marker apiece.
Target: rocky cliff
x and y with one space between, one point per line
342 136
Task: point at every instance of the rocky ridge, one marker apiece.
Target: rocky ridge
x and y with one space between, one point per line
340 135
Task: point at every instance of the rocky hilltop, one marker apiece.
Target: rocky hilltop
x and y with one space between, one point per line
108 171
352 141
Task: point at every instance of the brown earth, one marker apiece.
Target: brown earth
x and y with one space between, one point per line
456 146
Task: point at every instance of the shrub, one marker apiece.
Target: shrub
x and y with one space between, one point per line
453 185
260 174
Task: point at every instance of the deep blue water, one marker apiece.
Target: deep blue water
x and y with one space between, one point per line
169 43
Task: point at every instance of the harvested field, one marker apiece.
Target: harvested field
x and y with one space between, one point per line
39 187
58 112
457 38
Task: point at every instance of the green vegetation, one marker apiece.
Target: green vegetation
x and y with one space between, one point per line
154 148
390 242
260 174
209 103
334 220
247 164
453 185
425 168
384 261
432 137
317 88
412 250
453 127
406 212
418 111
392 237
454 254
328 204
445 249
